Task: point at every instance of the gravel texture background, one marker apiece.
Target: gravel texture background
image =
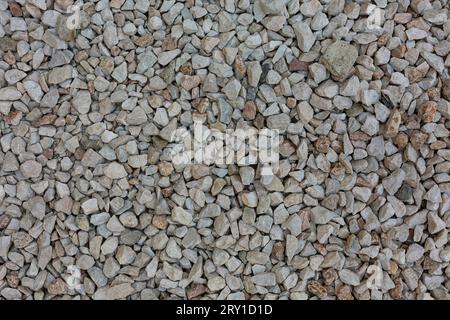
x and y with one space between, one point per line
93 207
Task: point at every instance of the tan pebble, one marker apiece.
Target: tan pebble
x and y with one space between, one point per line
418 138
427 111
401 140
330 275
383 39
291 102
143 41
57 287
393 124
165 168
344 293
317 289
397 291
169 44
198 171
434 94
160 222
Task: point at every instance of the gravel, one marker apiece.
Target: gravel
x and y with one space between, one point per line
95 204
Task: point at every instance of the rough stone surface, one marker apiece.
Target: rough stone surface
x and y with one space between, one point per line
339 58
224 150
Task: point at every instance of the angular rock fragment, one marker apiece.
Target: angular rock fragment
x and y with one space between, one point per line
339 58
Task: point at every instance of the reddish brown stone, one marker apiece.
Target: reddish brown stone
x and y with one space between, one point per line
15 8
48 153
249 111
278 251
318 246
297 65
399 52
259 121
322 144
377 74
196 290
359 136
